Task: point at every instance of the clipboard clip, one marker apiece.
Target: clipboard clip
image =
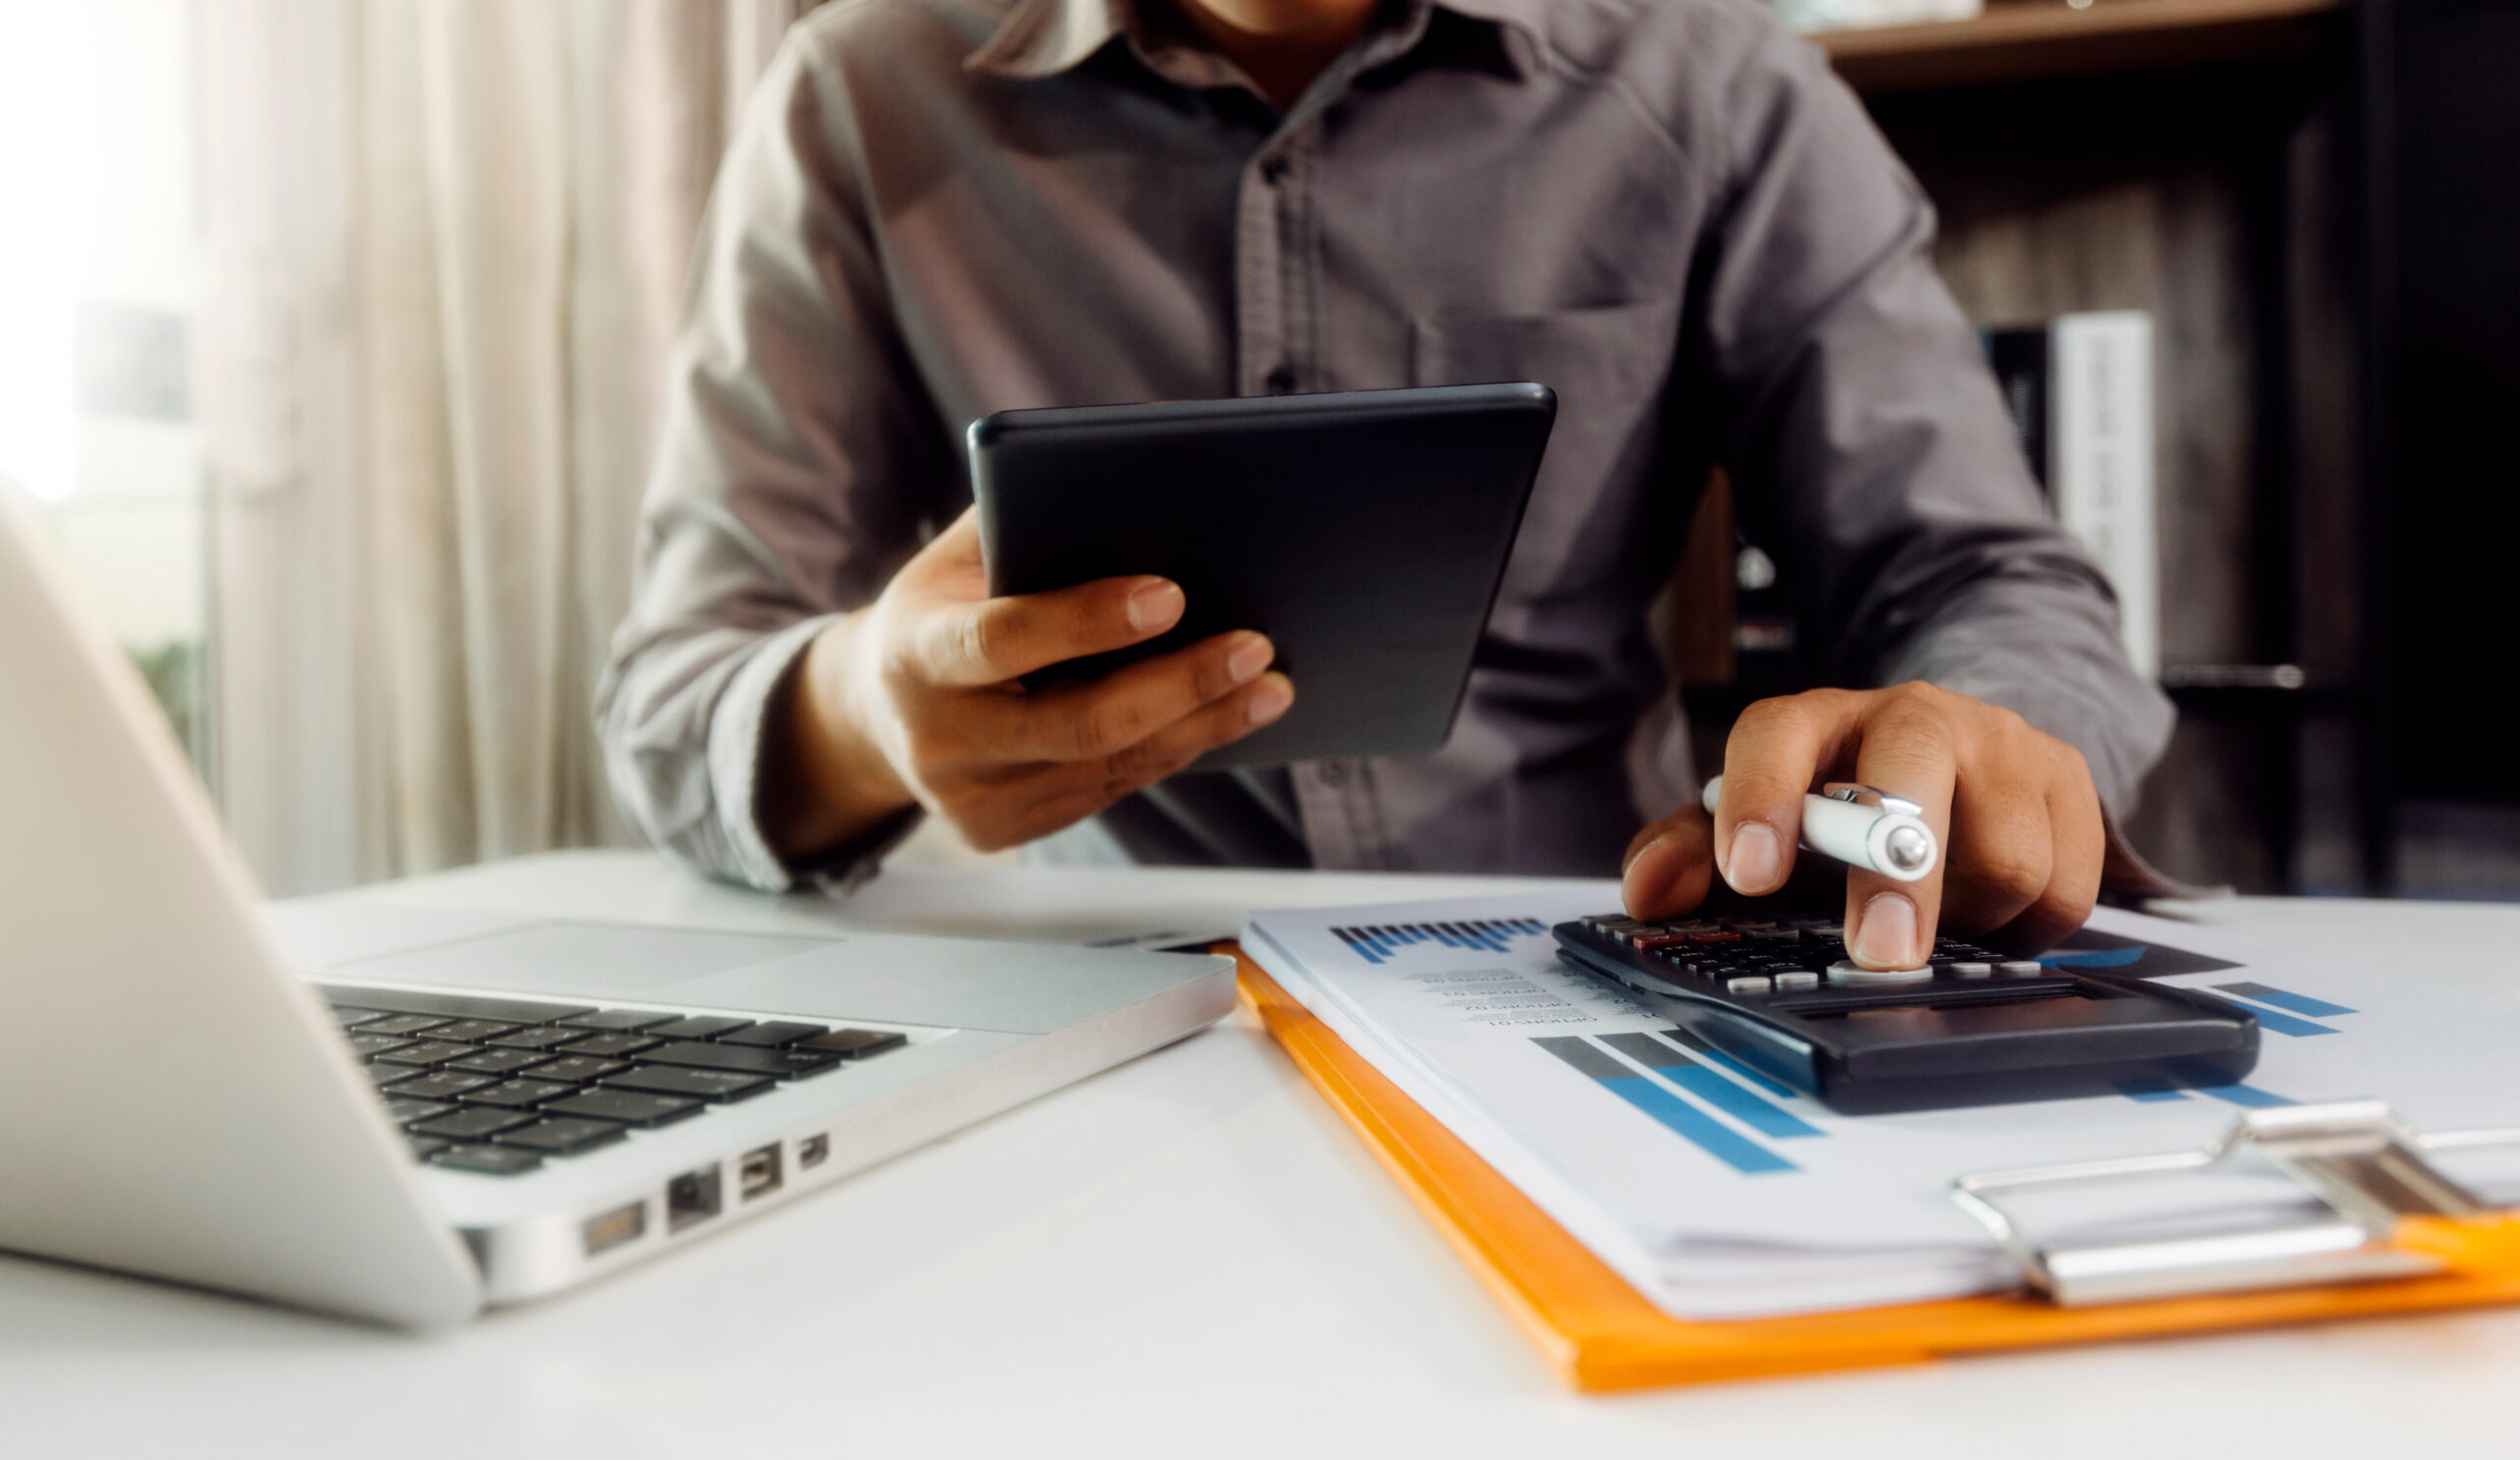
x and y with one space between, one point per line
2390 1212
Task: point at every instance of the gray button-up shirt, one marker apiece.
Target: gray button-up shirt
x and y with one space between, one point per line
1668 210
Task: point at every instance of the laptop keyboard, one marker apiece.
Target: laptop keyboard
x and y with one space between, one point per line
499 1085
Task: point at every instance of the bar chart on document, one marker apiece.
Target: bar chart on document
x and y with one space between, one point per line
2282 1013
1712 1185
1692 1088
1381 942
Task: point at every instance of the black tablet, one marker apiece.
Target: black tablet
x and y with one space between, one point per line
1363 531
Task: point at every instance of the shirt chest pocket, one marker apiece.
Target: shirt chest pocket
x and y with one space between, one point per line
1610 366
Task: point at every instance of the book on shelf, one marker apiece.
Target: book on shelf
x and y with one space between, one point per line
2080 390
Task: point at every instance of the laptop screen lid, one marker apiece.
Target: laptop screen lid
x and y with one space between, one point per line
181 1106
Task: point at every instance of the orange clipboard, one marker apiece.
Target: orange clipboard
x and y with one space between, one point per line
1602 1334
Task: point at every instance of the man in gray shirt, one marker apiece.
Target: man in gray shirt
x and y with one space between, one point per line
1668 210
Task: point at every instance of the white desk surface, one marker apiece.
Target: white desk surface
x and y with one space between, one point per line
1186 1255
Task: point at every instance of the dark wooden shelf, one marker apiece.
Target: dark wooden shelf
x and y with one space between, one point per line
2024 40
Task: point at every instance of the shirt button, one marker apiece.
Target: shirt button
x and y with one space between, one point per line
1273 169
1281 381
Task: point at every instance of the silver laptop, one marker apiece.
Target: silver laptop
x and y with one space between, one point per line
423 1114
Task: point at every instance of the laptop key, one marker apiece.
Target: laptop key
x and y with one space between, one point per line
787 1065
427 1054
423 1145
613 1046
412 1111
520 1095
384 1076
488 1161
472 1123
403 1024
452 1005
625 1020
566 1136
776 1033
579 1069
629 1106
498 1061
354 1018
536 1037
698 1026
709 1085
369 1046
439 1085
854 1043
470 1031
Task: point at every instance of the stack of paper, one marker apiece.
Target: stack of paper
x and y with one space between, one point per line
1719 1192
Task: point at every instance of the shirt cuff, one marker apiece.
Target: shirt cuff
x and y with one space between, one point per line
735 771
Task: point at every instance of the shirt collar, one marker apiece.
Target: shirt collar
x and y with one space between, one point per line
1044 37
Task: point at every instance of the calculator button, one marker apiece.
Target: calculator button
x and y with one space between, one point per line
1973 970
2021 967
1748 984
1797 980
1847 971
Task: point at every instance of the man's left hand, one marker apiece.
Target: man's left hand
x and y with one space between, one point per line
2012 806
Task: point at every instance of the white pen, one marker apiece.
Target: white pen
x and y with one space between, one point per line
1861 827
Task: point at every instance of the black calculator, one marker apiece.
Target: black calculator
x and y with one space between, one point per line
1973 1026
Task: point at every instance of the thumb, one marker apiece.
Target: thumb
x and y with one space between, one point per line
1670 866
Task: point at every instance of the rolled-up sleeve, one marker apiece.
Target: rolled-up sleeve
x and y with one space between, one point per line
1871 447
797 467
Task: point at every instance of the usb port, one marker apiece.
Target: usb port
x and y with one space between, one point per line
812 1150
759 1173
691 1197
607 1231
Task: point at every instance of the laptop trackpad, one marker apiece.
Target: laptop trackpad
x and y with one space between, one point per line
587 960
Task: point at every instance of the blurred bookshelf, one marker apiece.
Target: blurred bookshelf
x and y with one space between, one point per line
2313 201
2197 161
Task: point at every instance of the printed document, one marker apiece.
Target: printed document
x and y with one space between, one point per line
1720 1192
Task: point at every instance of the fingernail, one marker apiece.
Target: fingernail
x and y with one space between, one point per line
1269 701
1246 663
1639 854
1154 604
1756 864
1887 936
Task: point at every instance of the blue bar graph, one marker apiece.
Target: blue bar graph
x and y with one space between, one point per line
2268 1003
1713 1056
1710 1087
1677 1115
2299 1004
2152 1090
2285 1024
2246 1096
1377 944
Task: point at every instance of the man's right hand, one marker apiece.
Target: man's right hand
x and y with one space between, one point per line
917 698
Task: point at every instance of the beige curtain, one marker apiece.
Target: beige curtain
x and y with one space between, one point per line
525 180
